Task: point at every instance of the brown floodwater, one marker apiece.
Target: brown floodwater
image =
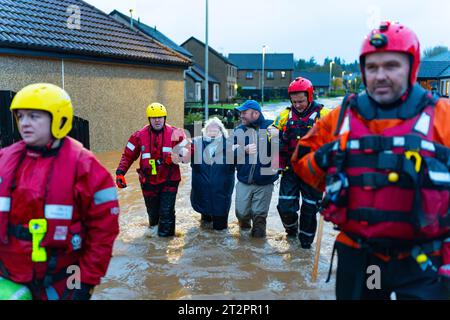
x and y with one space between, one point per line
201 263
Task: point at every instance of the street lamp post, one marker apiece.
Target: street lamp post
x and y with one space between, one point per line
350 81
262 75
331 68
206 65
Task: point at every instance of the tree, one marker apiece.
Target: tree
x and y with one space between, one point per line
339 66
302 64
239 91
337 83
434 51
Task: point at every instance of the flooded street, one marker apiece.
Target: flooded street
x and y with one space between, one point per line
202 263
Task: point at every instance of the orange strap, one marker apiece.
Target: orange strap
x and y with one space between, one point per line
343 140
346 240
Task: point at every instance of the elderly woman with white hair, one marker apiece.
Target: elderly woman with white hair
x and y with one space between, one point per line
212 174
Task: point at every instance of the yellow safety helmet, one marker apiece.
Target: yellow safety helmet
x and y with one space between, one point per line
156 110
50 98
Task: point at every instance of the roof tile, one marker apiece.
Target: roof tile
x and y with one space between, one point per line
42 25
272 61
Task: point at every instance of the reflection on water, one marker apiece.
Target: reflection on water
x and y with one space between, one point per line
202 263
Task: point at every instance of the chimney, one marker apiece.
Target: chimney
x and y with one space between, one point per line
131 18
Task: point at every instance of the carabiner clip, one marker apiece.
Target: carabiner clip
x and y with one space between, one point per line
417 157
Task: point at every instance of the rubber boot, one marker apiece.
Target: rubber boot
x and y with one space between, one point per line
245 224
220 222
259 227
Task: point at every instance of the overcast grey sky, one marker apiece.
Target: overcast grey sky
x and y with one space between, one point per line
318 28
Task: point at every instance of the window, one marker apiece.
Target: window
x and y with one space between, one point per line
198 91
230 90
216 92
270 75
283 74
249 75
447 88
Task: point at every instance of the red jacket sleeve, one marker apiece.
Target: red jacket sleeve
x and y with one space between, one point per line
130 154
322 133
96 197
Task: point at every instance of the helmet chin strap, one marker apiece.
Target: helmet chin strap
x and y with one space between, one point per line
53 143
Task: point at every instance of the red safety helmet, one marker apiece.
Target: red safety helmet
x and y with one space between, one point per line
302 85
393 37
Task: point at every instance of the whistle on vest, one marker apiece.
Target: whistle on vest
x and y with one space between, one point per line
38 229
152 163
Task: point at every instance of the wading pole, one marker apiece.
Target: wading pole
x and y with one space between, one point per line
317 254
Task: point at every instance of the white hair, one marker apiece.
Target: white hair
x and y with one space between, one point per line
217 122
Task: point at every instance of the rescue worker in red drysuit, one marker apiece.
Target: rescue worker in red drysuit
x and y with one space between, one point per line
158 144
383 160
54 189
293 123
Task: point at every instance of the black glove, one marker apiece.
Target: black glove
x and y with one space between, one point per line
322 155
120 179
84 293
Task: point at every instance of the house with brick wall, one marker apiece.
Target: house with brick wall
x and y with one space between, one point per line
111 71
278 73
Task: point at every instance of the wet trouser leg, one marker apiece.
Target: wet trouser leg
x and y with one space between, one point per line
262 196
160 202
243 205
351 273
166 227
308 212
357 273
152 204
288 202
